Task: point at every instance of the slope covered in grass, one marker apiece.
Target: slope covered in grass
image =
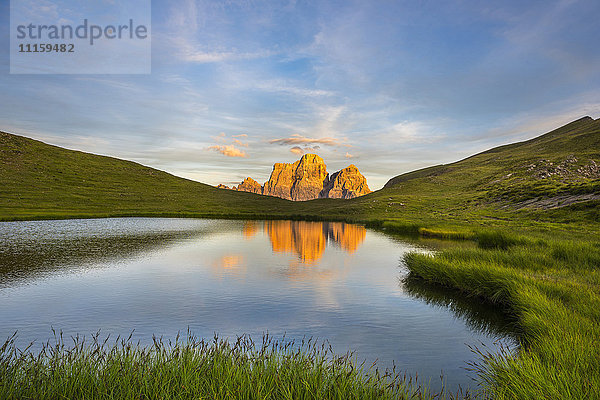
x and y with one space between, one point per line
552 170
40 180
552 179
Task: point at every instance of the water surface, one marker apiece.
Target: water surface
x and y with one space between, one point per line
331 281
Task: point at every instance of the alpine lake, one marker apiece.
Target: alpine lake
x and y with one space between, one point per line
328 281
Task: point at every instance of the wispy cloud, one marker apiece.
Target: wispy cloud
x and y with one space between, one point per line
297 150
299 139
300 151
228 150
283 86
202 57
240 143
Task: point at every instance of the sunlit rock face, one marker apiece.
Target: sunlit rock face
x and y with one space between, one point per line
302 180
307 179
347 183
281 180
249 185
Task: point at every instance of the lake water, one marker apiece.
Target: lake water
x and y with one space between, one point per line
159 276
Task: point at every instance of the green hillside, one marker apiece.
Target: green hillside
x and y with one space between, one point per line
564 161
554 178
39 180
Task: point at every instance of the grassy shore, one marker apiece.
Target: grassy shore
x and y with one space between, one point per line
552 287
194 369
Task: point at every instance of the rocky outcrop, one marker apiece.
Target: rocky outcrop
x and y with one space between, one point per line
249 185
281 180
221 186
302 180
307 179
347 183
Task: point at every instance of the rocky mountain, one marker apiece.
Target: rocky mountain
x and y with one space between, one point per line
281 180
249 185
307 179
347 183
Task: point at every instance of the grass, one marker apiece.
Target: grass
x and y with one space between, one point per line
193 369
514 201
496 240
40 181
553 289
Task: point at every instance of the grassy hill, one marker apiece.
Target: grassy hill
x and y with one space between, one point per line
564 161
553 178
39 180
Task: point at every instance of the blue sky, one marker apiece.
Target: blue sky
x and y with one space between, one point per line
390 86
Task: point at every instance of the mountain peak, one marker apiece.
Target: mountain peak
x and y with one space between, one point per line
249 185
312 158
307 179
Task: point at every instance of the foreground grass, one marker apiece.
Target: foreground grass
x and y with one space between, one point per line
193 369
553 289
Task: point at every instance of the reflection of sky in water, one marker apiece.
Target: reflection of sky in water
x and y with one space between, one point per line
329 280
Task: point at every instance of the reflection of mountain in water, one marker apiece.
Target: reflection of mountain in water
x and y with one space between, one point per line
250 229
231 264
309 239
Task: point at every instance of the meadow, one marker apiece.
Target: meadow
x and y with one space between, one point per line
552 288
532 208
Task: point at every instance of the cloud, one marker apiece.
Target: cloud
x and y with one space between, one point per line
282 86
407 130
348 155
227 147
241 135
297 150
299 139
201 57
228 150
410 132
221 138
188 51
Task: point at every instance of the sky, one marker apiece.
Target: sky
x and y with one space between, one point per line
390 86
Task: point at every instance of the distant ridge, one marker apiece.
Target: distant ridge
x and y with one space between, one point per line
307 179
562 164
534 179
